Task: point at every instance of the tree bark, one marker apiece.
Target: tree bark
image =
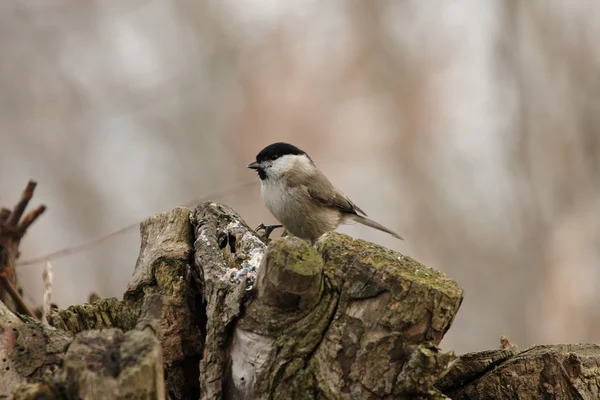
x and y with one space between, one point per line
212 312
161 305
345 320
563 371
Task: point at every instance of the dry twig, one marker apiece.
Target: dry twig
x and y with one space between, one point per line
96 241
47 292
12 230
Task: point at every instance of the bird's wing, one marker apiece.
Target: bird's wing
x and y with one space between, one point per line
321 191
335 200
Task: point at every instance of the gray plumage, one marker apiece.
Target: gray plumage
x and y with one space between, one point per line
301 197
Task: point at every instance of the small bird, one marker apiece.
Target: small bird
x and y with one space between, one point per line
301 197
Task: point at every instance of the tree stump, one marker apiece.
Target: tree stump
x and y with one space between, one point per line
212 312
345 320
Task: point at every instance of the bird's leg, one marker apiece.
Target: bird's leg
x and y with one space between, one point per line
268 229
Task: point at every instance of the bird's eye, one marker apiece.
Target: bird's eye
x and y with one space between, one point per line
273 158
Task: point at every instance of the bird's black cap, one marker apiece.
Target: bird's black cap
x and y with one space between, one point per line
276 150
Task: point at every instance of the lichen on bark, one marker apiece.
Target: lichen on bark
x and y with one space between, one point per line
212 312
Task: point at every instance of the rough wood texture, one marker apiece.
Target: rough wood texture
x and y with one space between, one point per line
288 299
377 319
28 350
103 313
164 293
469 367
566 372
162 300
227 255
352 326
389 305
212 313
36 391
110 364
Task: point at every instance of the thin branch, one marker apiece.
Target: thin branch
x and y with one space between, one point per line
15 216
4 213
11 232
96 241
30 218
76 249
14 294
47 275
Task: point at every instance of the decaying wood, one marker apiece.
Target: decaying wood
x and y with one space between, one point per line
28 350
110 364
212 312
227 255
344 327
168 300
469 367
161 300
104 313
566 372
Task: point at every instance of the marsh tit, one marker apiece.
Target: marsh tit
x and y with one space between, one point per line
301 197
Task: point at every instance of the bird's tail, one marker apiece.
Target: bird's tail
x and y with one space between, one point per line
369 222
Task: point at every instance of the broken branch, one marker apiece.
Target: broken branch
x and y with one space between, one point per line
27 194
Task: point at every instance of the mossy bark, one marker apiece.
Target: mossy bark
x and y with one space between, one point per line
162 304
344 320
212 312
166 298
103 313
224 246
110 364
563 371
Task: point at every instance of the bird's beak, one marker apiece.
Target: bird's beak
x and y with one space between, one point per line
253 165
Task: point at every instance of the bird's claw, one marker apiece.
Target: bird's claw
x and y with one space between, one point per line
268 229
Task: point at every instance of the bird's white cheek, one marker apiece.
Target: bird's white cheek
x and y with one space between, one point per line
283 165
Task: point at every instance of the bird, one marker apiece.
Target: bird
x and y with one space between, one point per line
301 197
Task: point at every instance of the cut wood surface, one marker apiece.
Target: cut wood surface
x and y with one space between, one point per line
214 311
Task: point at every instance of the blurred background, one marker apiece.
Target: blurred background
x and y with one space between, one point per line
470 127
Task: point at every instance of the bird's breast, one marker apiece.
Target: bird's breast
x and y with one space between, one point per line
278 199
293 208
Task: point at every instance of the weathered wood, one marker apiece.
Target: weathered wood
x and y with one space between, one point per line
288 289
37 390
376 308
564 371
283 339
224 317
227 255
104 313
110 364
162 297
348 330
469 367
164 294
289 286
28 350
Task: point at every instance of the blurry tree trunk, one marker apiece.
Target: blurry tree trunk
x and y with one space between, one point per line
200 319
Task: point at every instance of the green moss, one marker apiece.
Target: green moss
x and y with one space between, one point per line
296 254
169 274
343 251
104 313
